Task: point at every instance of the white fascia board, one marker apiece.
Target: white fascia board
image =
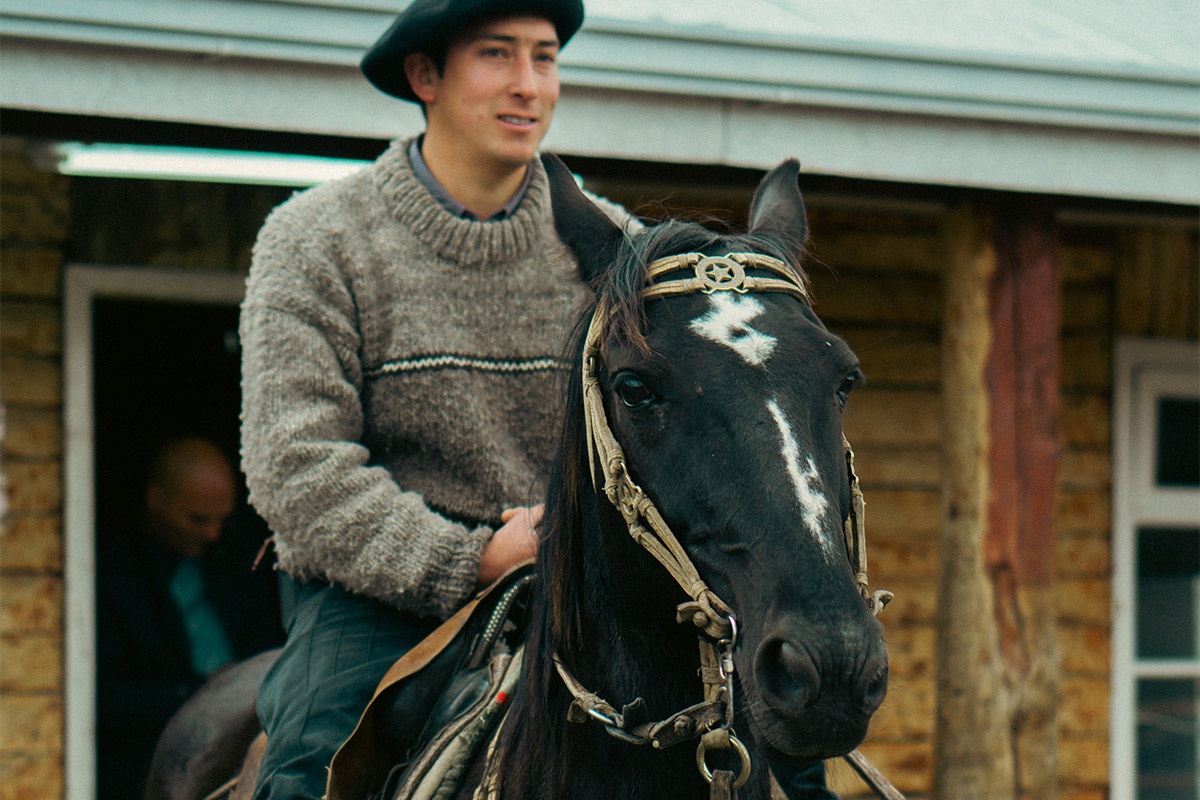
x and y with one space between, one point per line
972 154
632 93
877 146
810 73
227 92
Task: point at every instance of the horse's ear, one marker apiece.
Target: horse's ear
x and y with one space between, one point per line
777 209
582 226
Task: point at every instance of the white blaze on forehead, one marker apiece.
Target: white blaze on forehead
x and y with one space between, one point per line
805 481
728 323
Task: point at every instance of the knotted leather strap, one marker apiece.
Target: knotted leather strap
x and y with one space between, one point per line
642 518
856 538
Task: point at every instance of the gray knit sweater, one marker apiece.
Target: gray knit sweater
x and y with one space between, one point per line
399 379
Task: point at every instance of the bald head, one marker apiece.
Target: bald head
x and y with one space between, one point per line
189 495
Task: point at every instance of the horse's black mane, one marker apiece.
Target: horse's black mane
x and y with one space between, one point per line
570 608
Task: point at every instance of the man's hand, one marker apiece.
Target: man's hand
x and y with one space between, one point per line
515 541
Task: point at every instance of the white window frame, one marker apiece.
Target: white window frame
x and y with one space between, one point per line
83 285
1144 370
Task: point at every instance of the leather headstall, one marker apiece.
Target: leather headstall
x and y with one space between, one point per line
711 720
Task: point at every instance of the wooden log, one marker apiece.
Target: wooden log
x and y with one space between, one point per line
1134 306
972 743
1028 390
1174 289
999 683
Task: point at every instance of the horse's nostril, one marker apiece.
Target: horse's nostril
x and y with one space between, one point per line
875 688
792 676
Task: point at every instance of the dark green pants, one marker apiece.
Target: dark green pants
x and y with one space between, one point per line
339 646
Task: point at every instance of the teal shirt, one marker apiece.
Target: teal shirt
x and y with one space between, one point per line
209 642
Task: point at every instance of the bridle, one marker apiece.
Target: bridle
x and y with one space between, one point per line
715 621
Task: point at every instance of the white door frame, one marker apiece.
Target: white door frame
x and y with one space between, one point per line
83 285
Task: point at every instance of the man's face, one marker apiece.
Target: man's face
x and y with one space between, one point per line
187 517
493 101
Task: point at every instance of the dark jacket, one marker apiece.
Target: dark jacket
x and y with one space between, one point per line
144 670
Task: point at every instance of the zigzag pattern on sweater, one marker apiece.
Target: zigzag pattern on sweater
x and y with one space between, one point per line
452 361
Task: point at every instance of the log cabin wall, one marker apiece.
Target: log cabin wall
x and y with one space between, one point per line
877 276
34 223
876 272
1119 276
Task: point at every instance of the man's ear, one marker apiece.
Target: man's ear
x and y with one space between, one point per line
422 76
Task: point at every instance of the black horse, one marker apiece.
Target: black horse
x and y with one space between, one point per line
728 406
703 358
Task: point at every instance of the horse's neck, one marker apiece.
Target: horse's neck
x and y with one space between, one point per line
634 646
583 762
631 648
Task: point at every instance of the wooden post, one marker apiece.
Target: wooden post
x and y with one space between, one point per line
1023 378
973 754
998 673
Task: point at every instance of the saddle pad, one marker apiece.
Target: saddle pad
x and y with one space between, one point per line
410 689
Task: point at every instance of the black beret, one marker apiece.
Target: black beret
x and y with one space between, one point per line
430 24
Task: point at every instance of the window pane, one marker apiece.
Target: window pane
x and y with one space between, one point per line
1167 740
1178 462
1168 577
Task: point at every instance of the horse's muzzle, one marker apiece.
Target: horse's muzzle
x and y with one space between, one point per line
817 700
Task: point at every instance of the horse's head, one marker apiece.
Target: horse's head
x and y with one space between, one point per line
728 405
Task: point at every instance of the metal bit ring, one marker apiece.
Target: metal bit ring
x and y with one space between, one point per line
743 754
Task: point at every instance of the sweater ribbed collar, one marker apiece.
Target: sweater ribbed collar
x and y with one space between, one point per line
465 241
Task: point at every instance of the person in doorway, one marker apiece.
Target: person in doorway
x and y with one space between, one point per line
176 600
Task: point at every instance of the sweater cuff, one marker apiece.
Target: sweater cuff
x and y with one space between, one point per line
456 571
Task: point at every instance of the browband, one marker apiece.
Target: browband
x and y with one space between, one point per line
722 274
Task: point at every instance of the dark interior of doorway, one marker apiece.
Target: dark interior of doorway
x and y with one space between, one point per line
164 370
161 370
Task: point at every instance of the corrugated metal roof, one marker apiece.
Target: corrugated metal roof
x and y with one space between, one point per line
1103 36
1097 98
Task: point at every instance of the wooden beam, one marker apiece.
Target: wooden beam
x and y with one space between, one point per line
1023 382
973 755
998 666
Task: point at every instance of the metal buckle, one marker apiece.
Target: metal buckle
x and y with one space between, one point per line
725 649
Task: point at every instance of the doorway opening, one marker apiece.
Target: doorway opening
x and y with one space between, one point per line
150 355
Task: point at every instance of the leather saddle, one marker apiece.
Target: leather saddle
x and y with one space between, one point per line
441 692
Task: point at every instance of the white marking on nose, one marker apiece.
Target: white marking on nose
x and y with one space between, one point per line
728 323
805 481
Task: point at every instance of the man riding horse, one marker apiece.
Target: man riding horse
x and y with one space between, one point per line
401 333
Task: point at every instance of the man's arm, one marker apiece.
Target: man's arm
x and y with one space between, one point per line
335 517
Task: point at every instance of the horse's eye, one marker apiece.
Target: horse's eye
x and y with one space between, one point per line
843 392
633 391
